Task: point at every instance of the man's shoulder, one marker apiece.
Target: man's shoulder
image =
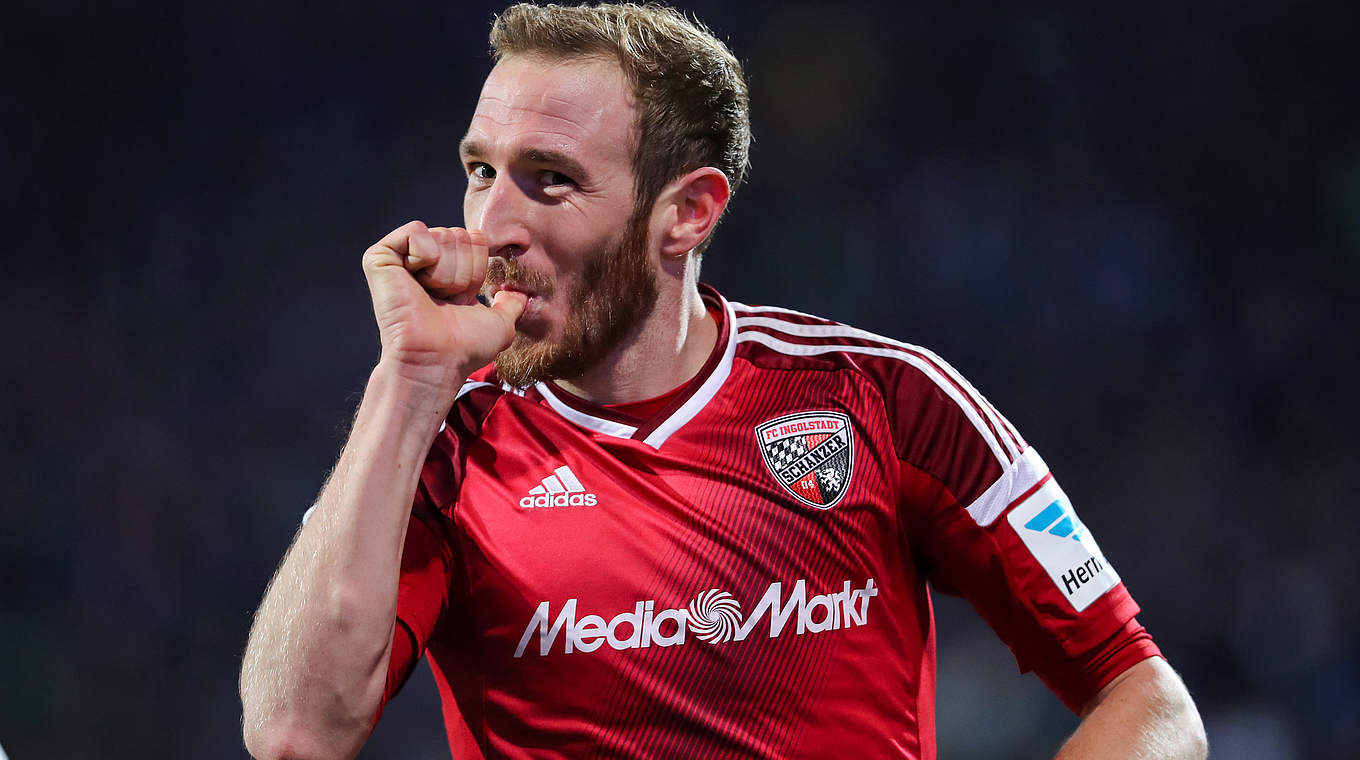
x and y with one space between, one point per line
489 384
781 337
480 393
915 382
482 384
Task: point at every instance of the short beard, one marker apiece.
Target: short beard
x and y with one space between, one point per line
616 292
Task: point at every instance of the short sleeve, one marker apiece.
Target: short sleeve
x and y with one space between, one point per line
430 565
1021 556
428 570
1077 680
985 519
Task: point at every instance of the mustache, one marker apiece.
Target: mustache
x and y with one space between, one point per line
501 271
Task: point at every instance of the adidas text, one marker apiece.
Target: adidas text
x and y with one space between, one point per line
559 500
560 489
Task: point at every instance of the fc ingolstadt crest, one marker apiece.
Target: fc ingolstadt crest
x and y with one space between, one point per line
810 454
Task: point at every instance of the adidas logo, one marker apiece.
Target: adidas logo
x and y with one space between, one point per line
560 489
1056 520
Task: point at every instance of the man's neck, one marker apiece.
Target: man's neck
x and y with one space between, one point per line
666 351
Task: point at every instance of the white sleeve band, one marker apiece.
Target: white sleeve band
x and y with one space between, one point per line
1021 476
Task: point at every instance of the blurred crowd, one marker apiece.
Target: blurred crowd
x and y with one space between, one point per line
1136 229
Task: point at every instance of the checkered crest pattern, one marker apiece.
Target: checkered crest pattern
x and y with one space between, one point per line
783 453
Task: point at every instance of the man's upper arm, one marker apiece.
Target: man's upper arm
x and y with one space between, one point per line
985 519
1033 572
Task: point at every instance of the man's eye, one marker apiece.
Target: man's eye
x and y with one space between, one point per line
481 171
551 178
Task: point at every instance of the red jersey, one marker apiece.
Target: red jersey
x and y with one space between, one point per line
743 573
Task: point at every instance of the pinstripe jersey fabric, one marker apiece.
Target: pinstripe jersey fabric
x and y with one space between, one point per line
744 574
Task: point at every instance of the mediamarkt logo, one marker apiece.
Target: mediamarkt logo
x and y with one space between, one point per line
714 616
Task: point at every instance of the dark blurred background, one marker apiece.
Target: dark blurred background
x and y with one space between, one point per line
1135 228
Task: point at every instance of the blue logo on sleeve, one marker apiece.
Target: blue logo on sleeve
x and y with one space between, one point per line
1056 520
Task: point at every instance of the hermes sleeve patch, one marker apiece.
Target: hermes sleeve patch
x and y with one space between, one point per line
1050 529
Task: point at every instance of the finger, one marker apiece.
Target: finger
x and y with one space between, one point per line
458 251
470 270
423 250
463 256
394 246
440 276
509 304
480 260
385 260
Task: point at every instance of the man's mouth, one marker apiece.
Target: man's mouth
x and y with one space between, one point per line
509 275
514 288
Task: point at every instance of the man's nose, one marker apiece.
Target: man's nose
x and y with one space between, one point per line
504 216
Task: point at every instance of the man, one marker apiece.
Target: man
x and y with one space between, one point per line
662 524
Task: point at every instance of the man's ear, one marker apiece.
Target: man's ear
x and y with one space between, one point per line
690 208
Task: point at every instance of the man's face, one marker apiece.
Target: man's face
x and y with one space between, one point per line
550 183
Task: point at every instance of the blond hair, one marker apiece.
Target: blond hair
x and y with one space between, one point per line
691 96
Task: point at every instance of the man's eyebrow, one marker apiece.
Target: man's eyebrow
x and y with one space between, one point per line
470 147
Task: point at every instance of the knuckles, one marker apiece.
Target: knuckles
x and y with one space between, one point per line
449 261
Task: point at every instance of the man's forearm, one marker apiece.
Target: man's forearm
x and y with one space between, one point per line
316 661
1145 714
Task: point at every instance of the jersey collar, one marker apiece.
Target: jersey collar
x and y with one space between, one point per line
698 392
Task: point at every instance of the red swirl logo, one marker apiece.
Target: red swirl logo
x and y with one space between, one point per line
714 616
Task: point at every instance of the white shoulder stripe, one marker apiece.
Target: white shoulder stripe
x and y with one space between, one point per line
774 310
925 367
1015 434
999 423
1003 426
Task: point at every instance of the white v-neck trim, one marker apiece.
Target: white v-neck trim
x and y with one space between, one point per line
707 391
587 421
679 417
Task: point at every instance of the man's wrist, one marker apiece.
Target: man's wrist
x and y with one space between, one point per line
424 394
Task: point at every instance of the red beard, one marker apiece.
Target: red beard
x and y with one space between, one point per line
616 293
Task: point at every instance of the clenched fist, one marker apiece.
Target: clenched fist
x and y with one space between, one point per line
424 283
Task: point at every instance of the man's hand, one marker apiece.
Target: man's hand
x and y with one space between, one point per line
424 283
316 663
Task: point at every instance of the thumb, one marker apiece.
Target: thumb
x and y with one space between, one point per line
509 304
